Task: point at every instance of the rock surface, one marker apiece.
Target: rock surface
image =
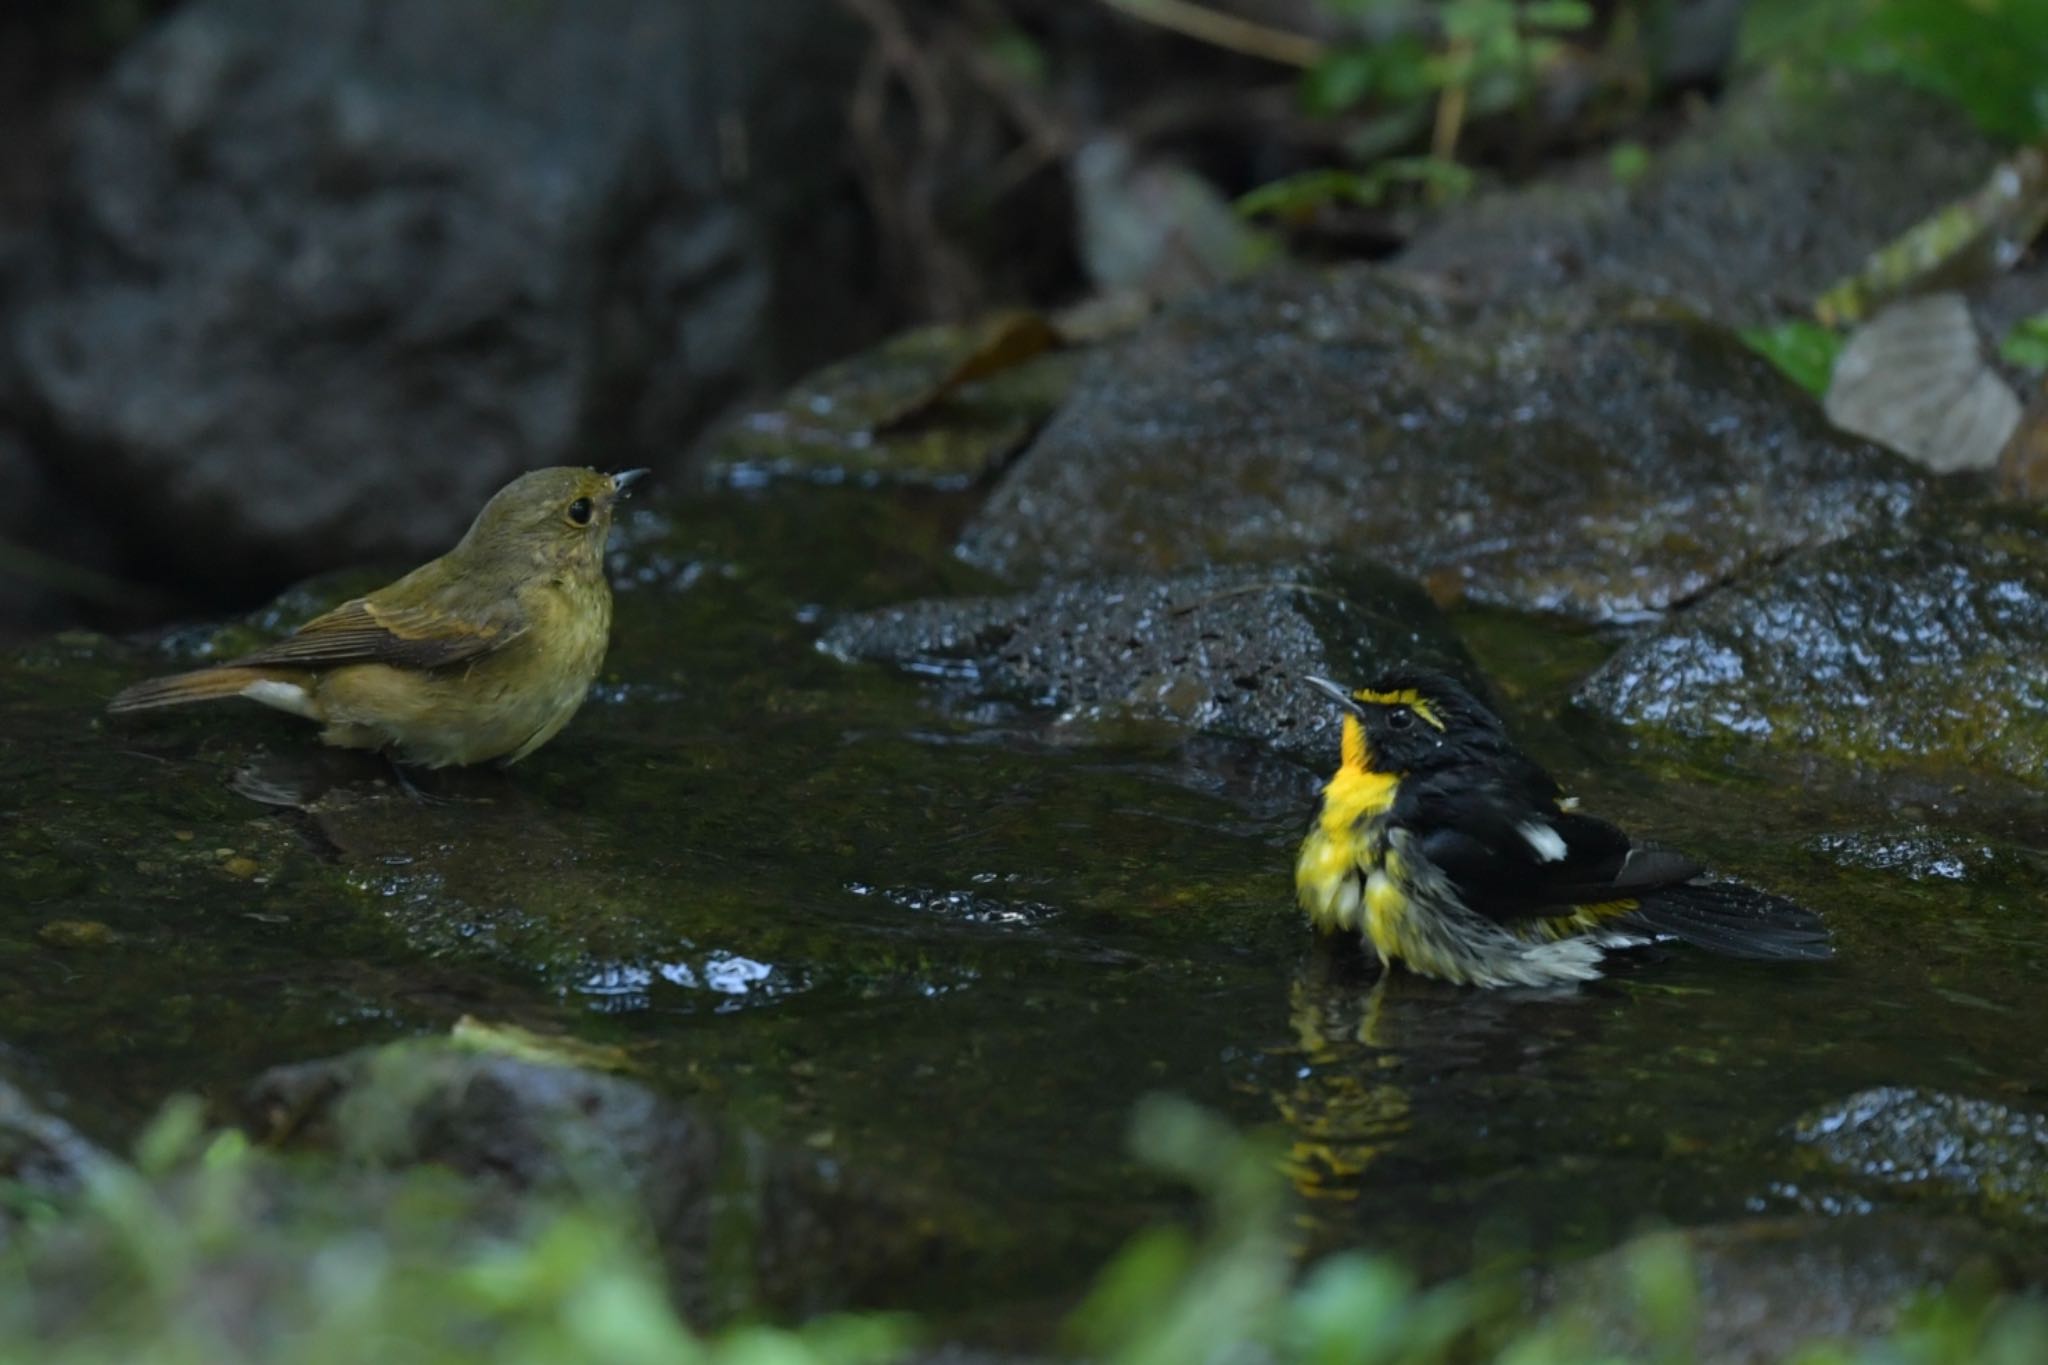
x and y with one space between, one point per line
1784 190
1224 651
1916 642
938 407
1767 1287
1601 463
328 274
1919 1139
780 1227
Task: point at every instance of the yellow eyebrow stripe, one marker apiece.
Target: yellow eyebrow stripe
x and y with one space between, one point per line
1407 697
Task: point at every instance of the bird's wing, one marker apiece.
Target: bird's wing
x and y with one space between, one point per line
1509 853
417 635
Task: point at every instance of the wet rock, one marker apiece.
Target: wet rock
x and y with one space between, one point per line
1909 643
939 407
1223 651
1600 462
739 1222
1760 1290
1921 1139
40 1156
328 274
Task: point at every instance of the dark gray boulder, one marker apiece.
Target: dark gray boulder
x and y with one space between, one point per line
1224 651
1916 644
326 273
1601 462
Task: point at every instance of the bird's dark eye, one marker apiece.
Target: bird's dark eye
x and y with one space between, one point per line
1400 718
579 511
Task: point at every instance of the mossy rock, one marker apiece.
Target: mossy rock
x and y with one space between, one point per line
1914 644
1600 462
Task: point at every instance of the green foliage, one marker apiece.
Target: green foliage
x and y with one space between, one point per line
1296 196
2027 344
1805 351
1494 45
207 1252
1988 56
1628 162
1443 63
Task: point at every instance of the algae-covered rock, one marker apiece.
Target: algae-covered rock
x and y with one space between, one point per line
1599 462
1921 1139
1919 642
1225 651
941 407
738 1221
1760 1289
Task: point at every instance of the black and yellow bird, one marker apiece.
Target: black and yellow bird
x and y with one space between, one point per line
484 653
1455 854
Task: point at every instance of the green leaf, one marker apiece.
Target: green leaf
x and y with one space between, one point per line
1340 80
1805 351
2027 344
1628 162
1560 15
1990 57
1298 196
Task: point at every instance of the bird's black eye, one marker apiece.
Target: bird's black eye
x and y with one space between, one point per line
579 511
1400 718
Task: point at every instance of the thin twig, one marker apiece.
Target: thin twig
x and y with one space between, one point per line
1450 107
1225 31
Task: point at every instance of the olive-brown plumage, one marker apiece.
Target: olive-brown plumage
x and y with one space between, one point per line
483 653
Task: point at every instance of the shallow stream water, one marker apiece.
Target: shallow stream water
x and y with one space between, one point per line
952 948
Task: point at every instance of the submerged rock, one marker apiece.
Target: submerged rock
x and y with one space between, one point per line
1921 1139
1224 651
329 272
739 1222
1759 1290
1908 643
1601 463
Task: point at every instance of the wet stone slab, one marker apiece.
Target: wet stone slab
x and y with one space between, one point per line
1598 461
1908 644
1225 651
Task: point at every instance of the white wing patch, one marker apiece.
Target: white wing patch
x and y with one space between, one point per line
1546 842
282 695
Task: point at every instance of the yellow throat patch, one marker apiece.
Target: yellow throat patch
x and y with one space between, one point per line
1329 872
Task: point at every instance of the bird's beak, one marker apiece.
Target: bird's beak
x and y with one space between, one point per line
1336 692
623 481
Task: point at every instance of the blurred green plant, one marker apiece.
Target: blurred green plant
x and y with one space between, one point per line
1418 75
2026 345
1988 56
1805 351
207 1250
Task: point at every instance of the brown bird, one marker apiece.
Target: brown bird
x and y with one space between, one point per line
483 653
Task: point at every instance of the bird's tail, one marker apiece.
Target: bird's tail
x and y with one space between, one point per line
1735 921
205 684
